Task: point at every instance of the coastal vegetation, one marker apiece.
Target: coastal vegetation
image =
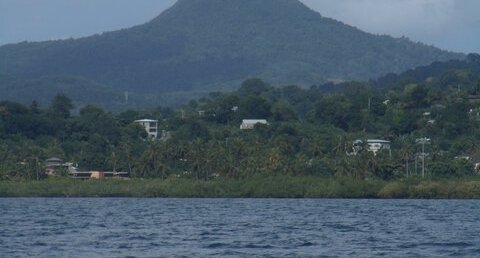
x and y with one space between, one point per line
257 187
305 150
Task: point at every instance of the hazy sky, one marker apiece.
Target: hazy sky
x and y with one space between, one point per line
448 24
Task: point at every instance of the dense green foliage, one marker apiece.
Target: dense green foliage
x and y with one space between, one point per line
259 187
309 133
198 46
84 92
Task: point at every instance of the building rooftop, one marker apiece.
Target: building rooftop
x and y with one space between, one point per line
377 141
54 159
146 121
252 121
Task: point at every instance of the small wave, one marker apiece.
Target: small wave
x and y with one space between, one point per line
343 228
452 244
98 225
216 245
124 246
153 244
446 244
305 244
39 244
254 246
140 237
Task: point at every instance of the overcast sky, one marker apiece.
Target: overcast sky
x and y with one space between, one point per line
448 24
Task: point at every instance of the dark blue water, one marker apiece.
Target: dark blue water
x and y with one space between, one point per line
40 227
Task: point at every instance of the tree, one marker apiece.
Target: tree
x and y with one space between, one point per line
254 107
473 58
152 162
334 110
254 87
94 120
283 112
224 108
407 151
418 97
61 106
7 162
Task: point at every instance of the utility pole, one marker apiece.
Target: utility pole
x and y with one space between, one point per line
126 97
423 141
36 168
416 171
423 159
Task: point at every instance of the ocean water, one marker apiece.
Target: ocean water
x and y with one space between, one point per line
131 227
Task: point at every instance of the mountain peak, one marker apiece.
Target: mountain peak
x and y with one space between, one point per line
237 3
238 10
206 45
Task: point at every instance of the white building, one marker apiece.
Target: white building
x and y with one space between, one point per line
250 123
374 145
151 127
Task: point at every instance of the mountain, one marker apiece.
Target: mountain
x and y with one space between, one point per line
206 45
452 73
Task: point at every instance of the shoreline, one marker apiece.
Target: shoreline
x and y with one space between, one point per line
262 187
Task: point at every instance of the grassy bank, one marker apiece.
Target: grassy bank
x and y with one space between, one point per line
269 187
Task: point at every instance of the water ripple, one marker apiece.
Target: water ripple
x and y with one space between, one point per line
102 227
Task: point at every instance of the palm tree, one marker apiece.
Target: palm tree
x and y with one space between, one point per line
151 164
112 159
407 151
195 156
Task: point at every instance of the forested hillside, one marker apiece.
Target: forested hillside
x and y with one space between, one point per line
310 133
198 46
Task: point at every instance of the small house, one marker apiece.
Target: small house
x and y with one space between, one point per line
250 123
52 165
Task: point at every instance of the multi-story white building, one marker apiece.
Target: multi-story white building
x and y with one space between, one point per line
151 127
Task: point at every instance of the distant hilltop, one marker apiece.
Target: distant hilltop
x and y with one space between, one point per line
208 45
